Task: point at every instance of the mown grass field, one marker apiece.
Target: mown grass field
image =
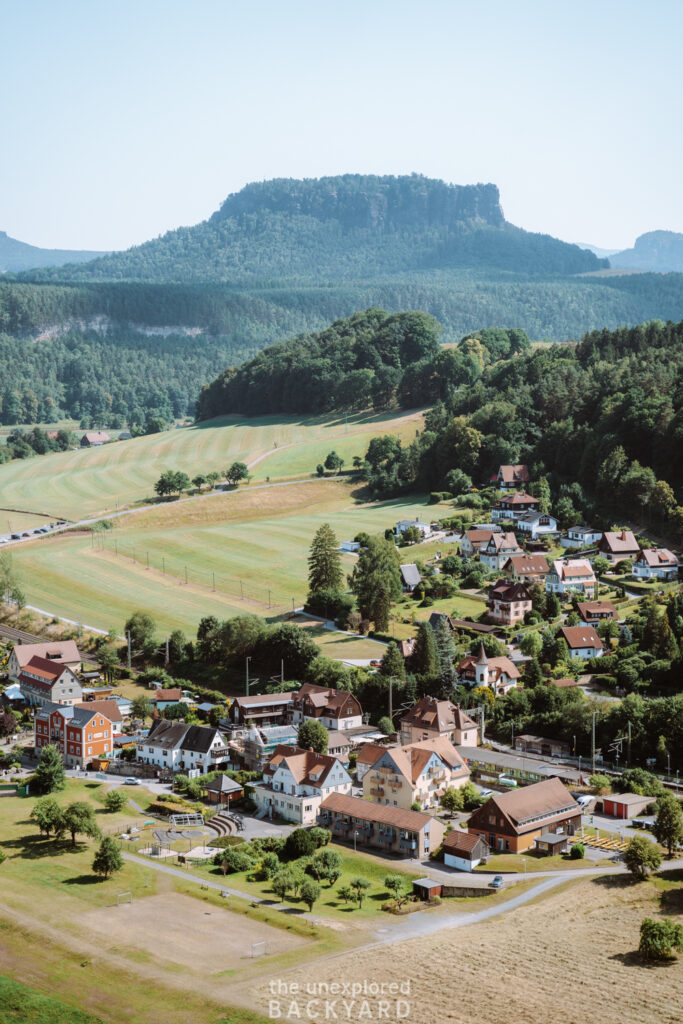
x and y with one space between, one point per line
90 482
253 543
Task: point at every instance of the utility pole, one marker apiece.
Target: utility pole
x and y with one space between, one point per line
248 659
166 659
129 652
628 749
213 577
282 670
241 590
593 717
391 699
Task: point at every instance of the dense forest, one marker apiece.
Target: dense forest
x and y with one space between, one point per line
599 423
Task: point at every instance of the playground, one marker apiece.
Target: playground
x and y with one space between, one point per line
183 930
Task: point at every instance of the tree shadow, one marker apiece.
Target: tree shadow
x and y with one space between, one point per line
82 880
35 847
615 881
634 959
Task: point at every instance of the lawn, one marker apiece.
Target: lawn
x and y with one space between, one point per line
252 545
375 869
22 1005
535 862
92 481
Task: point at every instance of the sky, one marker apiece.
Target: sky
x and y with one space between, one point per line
122 120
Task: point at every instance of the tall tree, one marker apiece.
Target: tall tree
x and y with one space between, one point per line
79 819
324 561
668 826
108 858
376 580
424 660
313 734
50 774
393 666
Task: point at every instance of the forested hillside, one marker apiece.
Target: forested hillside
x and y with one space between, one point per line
600 423
16 255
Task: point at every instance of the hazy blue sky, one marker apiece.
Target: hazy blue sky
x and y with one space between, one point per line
123 119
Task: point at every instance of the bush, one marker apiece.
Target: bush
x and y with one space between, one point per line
232 860
660 940
299 843
578 851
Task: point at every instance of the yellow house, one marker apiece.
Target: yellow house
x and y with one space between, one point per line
416 773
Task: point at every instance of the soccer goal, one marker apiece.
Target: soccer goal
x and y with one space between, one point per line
259 948
124 897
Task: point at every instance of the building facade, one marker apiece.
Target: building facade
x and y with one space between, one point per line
388 829
79 733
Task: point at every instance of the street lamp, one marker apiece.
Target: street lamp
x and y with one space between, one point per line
355 836
248 659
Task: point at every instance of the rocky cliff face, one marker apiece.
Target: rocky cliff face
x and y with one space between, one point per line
368 201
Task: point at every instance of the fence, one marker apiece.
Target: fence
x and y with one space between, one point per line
265 597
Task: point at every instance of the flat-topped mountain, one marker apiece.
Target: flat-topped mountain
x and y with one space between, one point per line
660 251
352 227
16 256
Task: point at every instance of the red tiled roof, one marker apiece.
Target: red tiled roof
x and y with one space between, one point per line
353 806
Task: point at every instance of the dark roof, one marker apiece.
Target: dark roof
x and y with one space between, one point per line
223 784
163 733
199 738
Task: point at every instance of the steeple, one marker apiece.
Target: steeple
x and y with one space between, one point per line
482 660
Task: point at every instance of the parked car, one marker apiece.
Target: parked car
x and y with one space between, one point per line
486 792
15 536
497 882
130 781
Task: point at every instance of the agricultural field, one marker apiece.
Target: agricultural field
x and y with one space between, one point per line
580 938
251 545
91 482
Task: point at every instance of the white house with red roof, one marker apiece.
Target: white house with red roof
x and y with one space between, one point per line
59 652
583 641
619 545
655 564
511 505
500 674
296 781
336 709
44 682
500 546
572 576
512 478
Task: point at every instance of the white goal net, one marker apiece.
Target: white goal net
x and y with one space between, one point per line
259 948
124 897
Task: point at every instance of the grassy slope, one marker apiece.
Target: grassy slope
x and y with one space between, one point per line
239 537
89 482
22 1005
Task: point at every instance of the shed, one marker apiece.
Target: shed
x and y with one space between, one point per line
626 805
222 790
427 888
464 850
552 842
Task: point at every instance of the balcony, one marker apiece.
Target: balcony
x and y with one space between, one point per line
377 790
408 844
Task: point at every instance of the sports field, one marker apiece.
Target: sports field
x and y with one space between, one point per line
252 545
90 482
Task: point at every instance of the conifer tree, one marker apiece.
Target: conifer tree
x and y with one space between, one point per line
324 561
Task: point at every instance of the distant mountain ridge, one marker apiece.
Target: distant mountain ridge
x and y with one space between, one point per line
16 256
352 227
658 251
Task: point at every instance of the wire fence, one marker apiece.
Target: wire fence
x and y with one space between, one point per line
267 598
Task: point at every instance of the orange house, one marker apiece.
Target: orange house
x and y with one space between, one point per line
79 733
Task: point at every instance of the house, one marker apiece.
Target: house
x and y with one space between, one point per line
437 618
296 781
109 708
12 697
163 699
431 718
500 546
526 568
464 851
583 642
59 652
498 673
336 709
410 575
339 745
541 745
508 602
511 505
424 529
175 746
513 821
223 790
388 828
593 612
79 733
261 742
473 541
581 537
571 576
415 773
655 564
350 546
536 524
367 756
407 647
46 682
625 805
261 708
512 478
94 438
619 546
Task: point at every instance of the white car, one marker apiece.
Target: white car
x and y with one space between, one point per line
130 781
